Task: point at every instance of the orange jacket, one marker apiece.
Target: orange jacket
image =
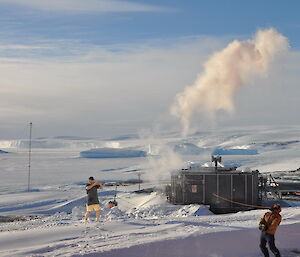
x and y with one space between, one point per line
273 220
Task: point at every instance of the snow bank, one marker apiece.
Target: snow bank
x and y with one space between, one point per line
112 153
155 206
2 152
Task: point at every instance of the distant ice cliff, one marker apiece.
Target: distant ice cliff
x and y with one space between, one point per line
112 153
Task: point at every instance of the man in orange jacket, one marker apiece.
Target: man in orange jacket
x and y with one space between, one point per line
272 219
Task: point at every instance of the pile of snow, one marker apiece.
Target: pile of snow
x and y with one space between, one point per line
112 153
78 212
107 214
113 214
192 210
155 206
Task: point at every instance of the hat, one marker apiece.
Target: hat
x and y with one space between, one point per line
91 178
275 206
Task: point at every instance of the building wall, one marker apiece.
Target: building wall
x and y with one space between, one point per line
198 187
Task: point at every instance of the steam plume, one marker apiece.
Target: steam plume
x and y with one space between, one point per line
226 71
159 168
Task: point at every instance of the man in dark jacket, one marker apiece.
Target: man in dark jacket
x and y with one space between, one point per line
272 220
92 198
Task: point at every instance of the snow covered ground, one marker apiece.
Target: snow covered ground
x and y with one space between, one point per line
143 224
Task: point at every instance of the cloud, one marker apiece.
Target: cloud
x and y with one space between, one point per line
23 47
82 6
103 90
121 89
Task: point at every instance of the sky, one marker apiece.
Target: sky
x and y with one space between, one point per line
112 67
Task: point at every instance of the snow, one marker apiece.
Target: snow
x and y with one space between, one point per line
112 153
237 243
144 224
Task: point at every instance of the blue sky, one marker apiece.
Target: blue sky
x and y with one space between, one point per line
160 19
45 45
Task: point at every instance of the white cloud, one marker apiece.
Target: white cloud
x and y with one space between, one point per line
103 90
23 47
113 92
80 6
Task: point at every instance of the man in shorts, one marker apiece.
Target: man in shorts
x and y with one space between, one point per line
92 199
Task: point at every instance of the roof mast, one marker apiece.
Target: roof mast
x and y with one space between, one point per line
29 155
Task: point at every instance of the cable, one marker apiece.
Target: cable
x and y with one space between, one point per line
122 199
244 204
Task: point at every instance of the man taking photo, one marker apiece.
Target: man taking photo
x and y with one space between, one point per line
92 198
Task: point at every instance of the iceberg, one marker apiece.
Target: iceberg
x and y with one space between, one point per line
124 137
276 145
107 152
187 149
52 143
234 151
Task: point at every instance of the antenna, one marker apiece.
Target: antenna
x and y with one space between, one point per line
139 175
216 159
29 154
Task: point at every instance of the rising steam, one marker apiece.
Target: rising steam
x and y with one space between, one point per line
226 71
